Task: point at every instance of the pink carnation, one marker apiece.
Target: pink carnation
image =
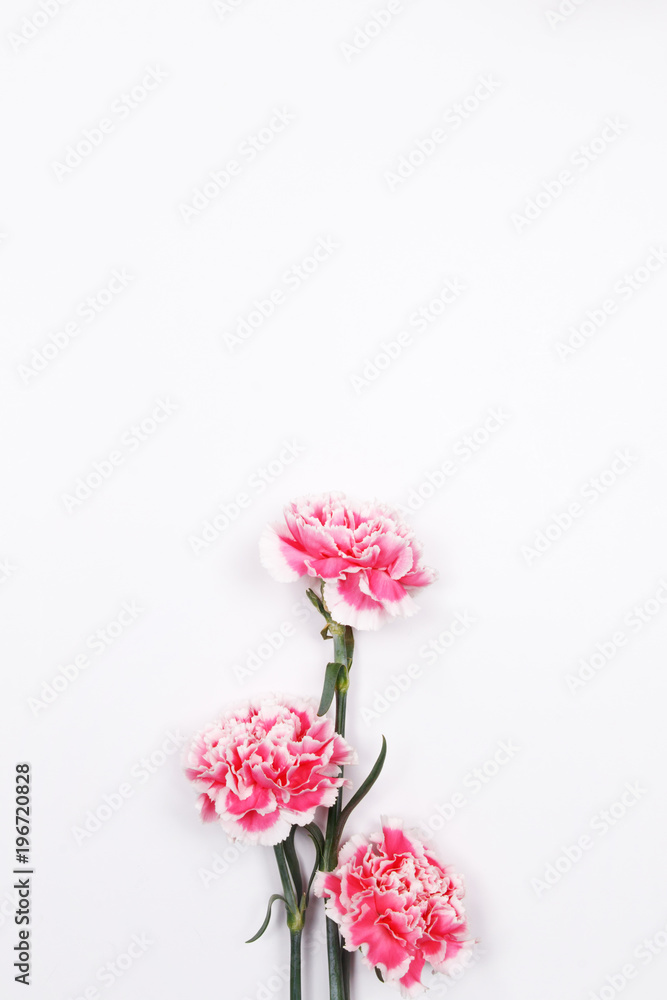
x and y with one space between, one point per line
398 904
267 766
368 557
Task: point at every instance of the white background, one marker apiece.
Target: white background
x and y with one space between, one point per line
69 567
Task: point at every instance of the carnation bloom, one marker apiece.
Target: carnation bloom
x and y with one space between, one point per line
398 904
267 766
368 557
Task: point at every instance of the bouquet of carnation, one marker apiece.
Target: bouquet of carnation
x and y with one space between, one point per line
264 768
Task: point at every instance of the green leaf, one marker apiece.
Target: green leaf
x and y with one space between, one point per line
316 868
349 644
293 863
316 835
267 919
318 603
317 838
329 689
378 974
361 792
343 680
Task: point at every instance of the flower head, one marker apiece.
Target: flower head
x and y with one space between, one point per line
368 557
398 904
267 766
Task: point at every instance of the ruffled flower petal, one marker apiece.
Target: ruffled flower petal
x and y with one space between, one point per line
397 904
267 766
367 555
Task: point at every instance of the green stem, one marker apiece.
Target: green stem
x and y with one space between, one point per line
334 951
295 922
346 957
341 709
295 965
338 974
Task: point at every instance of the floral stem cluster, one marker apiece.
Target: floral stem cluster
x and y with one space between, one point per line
265 768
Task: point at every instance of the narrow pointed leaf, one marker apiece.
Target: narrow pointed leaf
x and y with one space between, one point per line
316 868
316 602
267 919
293 863
317 838
329 689
343 679
378 974
349 644
316 835
362 791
